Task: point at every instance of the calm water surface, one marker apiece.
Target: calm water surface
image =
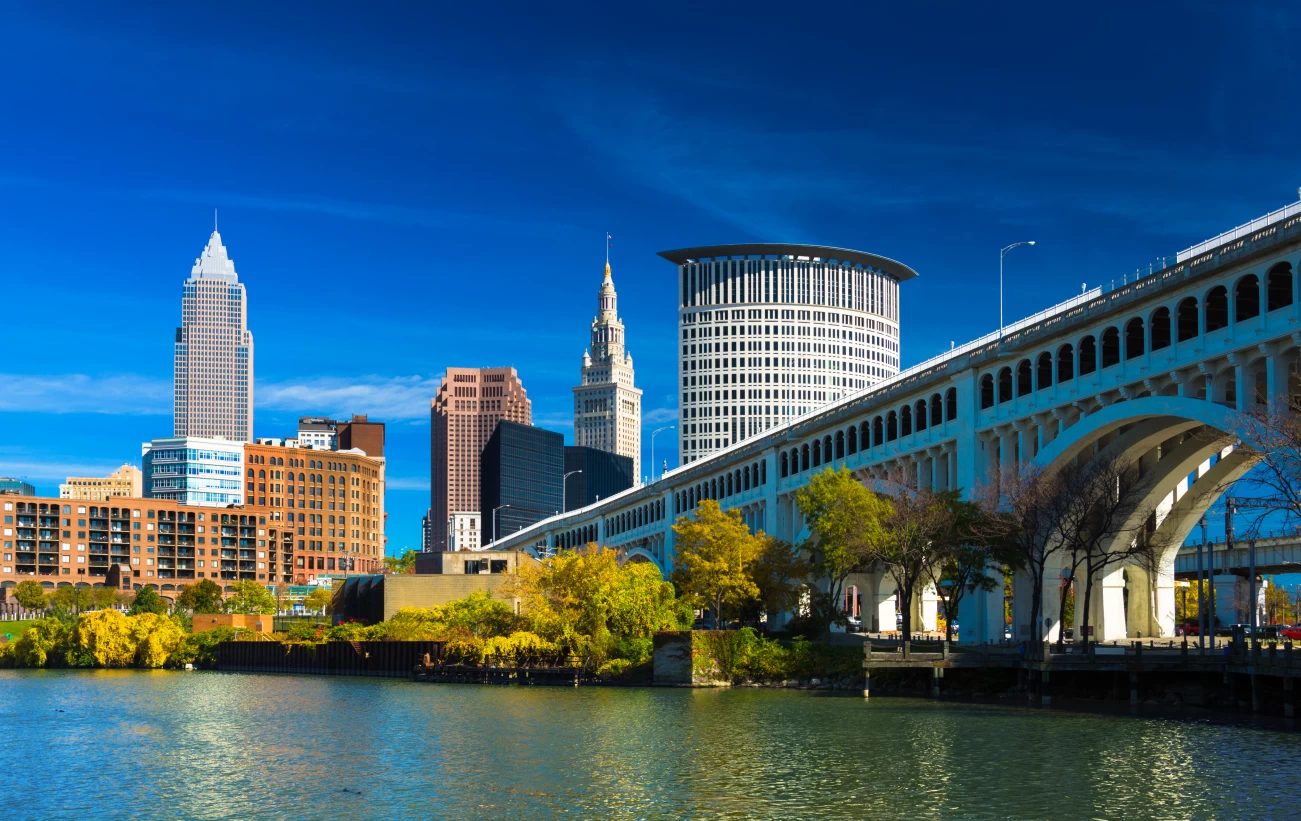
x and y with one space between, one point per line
225 745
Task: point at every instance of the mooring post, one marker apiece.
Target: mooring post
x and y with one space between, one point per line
1289 698
1046 689
935 682
867 670
1133 687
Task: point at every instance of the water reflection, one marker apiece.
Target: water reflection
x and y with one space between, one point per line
211 745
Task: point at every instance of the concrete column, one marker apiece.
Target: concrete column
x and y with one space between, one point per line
1246 393
1138 613
1109 605
966 466
980 615
1276 372
1021 604
1163 620
885 610
1230 598
927 602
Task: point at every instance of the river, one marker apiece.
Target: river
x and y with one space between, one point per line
209 745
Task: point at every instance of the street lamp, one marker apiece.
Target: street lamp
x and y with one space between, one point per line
660 430
1002 254
494 523
563 507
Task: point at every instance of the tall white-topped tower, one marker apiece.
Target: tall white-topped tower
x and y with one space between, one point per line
772 331
212 390
607 408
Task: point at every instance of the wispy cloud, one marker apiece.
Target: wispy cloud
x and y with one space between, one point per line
81 393
658 416
390 398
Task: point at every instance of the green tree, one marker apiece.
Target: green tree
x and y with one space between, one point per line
406 563
250 597
969 567
30 595
845 522
921 535
715 556
147 600
204 597
780 573
72 598
318 599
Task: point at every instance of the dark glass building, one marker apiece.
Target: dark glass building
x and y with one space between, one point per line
603 475
522 466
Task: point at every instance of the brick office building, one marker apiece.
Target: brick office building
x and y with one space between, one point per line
464 414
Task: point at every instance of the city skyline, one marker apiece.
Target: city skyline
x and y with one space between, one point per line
352 238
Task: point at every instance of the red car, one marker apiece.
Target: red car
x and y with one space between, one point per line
1192 628
1293 632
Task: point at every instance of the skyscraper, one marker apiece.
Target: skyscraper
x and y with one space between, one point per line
771 331
464 414
212 390
607 408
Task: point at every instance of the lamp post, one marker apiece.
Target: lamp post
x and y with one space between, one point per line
660 430
564 508
1001 254
494 523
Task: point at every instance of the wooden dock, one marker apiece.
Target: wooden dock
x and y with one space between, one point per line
1237 661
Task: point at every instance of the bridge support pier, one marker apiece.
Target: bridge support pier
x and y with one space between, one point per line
1228 596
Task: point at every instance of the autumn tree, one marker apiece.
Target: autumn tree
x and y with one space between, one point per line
586 594
250 597
204 597
844 519
715 553
319 599
30 595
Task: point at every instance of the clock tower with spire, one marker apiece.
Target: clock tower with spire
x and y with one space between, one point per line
607 407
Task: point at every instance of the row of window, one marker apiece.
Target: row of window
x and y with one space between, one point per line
1137 335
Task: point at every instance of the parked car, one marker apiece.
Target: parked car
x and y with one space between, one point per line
1293 632
855 624
1191 628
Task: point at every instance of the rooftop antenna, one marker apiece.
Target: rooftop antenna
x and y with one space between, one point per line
607 246
214 220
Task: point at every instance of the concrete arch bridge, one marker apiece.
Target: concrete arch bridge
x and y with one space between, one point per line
1154 370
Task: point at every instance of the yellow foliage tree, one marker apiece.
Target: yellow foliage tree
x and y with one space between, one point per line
715 555
156 638
108 637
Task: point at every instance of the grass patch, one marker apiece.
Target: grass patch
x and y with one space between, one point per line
14 628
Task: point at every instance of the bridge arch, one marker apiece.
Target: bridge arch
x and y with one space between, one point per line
639 554
1176 411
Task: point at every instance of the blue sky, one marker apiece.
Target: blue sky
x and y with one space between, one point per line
405 188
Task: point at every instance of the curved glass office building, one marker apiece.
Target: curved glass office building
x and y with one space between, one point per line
771 331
